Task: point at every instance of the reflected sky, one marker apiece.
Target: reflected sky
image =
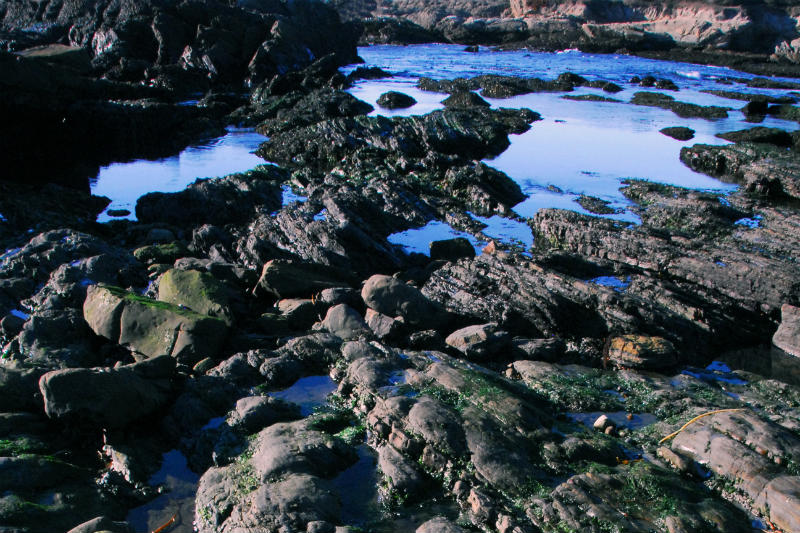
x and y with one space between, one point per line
125 182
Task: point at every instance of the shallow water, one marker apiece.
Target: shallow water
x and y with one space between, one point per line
309 393
418 240
125 182
578 147
178 501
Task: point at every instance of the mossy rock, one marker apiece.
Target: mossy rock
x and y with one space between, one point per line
160 253
151 327
199 291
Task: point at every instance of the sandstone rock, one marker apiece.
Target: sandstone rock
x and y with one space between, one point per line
642 352
787 338
151 328
254 413
392 297
480 342
108 397
384 327
345 322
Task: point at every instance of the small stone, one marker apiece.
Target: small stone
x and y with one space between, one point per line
602 423
118 213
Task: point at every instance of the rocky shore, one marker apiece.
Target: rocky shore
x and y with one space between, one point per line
513 390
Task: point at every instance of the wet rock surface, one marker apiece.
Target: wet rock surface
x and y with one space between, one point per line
314 376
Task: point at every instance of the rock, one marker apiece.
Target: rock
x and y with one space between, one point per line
160 236
345 322
384 327
288 279
301 313
233 199
481 342
787 338
682 109
108 397
32 472
641 352
759 134
677 461
198 291
161 253
152 328
254 413
679 133
452 249
395 100
602 423
464 99
19 389
102 524
538 349
439 525
392 297
741 448
400 473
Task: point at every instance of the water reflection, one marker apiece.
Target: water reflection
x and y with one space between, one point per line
125 182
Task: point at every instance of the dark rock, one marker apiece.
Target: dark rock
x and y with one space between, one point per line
474 49
465 99
254 413
287 279
395 100
759 134
452 249
108 397
679 133
595 205
233 199
682 109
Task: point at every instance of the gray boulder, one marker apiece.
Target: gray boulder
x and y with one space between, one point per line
480 342
289 279
393 298
110 397
345 322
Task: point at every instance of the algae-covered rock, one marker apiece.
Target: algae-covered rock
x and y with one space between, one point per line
199 291
150 327
160 253
395 100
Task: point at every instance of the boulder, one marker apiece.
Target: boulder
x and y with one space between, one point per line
452 249
150 327
642 352
198 291
345 322
288 279
393 298
102 524
480 342
439 524
395 100
679 133
787 338
108 397
465 99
